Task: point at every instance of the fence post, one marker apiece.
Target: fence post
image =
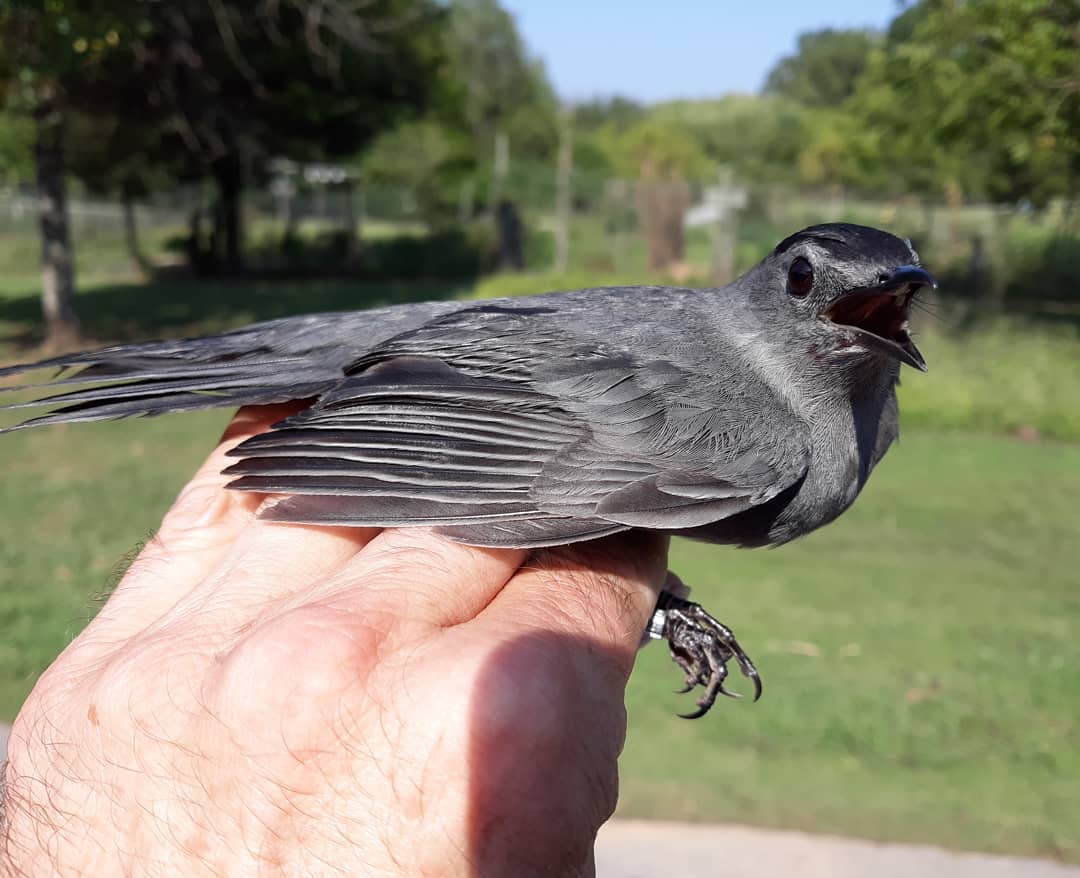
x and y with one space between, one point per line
724 199
563 205
500 170
466 197
353 227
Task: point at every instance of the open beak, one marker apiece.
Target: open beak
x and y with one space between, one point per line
877 317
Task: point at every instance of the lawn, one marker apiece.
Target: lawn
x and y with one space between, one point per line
920 656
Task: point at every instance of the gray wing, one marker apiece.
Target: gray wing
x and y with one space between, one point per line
274 361
501 430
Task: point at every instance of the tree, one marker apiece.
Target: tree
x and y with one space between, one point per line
497 92
663 158
758 137
233 84
618 111
427 158
16 148
212 88
120 155
837 149
59 55
825 68
980 97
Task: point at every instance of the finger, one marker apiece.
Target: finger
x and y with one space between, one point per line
269 566
195 534
603 591
554 649
414 576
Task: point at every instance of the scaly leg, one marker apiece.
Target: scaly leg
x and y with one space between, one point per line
702 647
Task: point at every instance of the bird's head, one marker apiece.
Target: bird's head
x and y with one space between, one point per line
846 291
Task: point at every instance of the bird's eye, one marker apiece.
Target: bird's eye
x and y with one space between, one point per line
800 277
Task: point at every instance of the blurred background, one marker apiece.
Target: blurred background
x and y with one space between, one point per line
175 169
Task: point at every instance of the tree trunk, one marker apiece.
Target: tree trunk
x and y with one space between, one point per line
230 183
131 232
57 259
662 203
200 260
508 229
500 171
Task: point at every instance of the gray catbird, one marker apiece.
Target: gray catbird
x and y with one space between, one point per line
749 414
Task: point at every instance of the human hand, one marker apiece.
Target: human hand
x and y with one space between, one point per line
258 698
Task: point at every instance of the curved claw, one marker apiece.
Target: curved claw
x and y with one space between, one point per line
687 688
707 701
757 684
751 673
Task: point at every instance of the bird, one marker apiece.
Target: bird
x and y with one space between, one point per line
748 414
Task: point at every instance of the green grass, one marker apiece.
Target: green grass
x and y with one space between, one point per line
998 375
101 251
921 661
75 505
920 656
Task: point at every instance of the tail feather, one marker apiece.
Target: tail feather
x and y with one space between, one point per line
266 363
134 406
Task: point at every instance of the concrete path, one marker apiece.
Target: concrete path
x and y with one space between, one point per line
643 849
649 849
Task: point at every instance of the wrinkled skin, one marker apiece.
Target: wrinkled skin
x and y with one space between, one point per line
258 698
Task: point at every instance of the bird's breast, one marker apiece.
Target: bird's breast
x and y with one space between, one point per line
840 461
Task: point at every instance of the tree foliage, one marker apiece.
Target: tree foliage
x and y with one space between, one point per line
962 99
757 137
618 112
427 158
16 147
492 85
60 54
488 87
825 68
214 88
982 95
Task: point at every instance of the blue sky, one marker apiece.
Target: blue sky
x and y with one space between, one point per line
675 48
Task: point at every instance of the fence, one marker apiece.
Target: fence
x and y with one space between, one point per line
725 226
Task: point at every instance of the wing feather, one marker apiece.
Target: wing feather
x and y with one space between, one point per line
409 440
496 425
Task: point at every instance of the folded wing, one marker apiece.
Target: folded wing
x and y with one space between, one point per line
466 429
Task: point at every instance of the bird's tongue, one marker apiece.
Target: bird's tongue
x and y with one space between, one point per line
879 320
883 314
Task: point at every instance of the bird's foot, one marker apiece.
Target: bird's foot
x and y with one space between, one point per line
702 647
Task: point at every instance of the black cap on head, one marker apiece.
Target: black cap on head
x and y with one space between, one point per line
852 241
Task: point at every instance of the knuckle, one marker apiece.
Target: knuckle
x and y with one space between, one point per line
146 684
307 656
201 505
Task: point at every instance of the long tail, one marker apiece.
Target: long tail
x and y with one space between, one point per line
275 361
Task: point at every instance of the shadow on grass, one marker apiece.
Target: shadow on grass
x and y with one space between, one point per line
174 307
